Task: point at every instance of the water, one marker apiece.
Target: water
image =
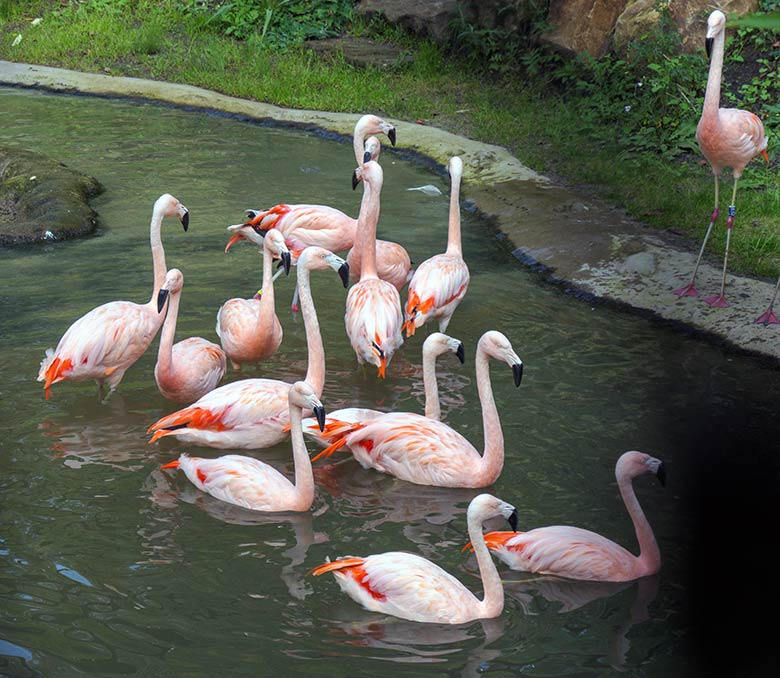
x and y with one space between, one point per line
110 566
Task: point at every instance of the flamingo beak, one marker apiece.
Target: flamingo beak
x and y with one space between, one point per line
391 135
366 157
461 353
382 367
171 464
260 231
355 179
162 296
708 46
286 262
233 240
661 474
185 219
319 412
512 520
249 215
517 373
344 273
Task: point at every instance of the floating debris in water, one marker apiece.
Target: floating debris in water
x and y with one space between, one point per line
428 189
48 235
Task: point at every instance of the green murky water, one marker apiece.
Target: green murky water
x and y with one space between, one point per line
109 566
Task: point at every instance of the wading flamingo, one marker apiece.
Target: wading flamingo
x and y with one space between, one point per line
392 260
250 483
728 137
581 554
252 413
768 317
249 329
428 452
412 587
435 345
105 342
189 369
373 317
440 283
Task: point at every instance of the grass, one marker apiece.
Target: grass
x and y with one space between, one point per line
537 123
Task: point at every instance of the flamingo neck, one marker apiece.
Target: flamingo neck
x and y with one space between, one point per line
493 456
267 301
712 95
453 234
158 257
164 368
367 221
649 560
304 477
432 407
315 372
493 602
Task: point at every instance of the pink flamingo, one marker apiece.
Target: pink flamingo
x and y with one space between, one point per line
440 283
435 345
392 260
411 587
105 342
768 317
426 451
252 413
250 483
728 137
373 317
581 554
194 366
249 329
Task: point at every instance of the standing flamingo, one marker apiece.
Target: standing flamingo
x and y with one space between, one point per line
249 329
194 366
105 342
373 317
393 263
250 483
428 452
252 413
435 345
581 554
728 137
412 587
440 283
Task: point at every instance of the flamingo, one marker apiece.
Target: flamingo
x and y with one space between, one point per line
728 137
412 587
426 451
581 554
768 317
440 283
252 484
105 342
252 413
249 329
194 366
435 345
373 317
393 263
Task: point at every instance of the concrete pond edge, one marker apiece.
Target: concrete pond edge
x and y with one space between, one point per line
592 250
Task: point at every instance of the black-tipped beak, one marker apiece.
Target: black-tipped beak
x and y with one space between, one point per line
344 273
260 231
512 520
661 474
286 262
319 412
708 46
366 157
250 214
162 295
355 180
185 221
461 353
517 373
391 135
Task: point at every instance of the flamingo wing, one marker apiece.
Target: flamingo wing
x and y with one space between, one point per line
373 321
437 287
200 364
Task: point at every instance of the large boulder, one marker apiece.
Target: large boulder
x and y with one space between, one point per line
42 199
429 19
583 26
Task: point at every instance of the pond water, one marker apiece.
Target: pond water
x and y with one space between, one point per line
110 566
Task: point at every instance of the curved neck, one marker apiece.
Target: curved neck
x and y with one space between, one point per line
712 95
304 477
367 221
165 351
432 407
493 602
453 234
267 301
158 256
315 372
649 553
493 456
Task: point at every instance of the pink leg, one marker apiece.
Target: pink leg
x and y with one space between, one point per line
768 317
719 301
690 290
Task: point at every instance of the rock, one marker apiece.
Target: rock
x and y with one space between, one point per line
583 25
42 199
428 19
642 263
639 18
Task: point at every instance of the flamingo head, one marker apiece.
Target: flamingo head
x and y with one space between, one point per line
485 506
497 346
437 343
168 206
455 168
373 124
371 149
273 241
174 281
633 464
371 173
302 396
716 24
315 258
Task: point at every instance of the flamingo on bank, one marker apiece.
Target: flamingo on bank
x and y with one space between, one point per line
581 554
393 263
426 451
435 345
440 283
253 413
105 342
408 586
768 317
191 368
249 329
373 315
252 484
728 137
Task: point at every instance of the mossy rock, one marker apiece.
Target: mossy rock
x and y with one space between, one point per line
42 199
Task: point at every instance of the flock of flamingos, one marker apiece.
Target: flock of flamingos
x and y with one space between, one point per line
258 413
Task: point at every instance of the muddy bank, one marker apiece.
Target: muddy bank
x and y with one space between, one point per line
595 251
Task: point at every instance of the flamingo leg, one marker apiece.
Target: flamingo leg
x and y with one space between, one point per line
719 301
294 307
768 317
690 290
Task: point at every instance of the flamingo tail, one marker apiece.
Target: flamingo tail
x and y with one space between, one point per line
337 436
494 540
